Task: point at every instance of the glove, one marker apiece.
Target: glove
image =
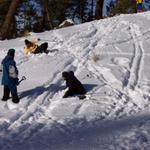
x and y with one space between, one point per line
17 81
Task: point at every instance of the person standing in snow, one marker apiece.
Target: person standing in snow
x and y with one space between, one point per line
139 5
73 84
32 47
10 76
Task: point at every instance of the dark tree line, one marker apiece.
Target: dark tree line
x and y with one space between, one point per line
20 16
17 17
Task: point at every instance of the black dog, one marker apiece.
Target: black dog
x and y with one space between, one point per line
73 84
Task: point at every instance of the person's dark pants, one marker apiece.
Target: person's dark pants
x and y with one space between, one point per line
15 98
42 48
68 93
71 93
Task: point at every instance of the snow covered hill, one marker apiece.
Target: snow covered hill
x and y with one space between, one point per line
111 58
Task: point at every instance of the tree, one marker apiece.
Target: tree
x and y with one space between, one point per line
9 19
99 9
41 15
46 19
63 5
91 12
79 10
4 4
123 7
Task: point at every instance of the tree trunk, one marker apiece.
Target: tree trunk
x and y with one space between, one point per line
91 13
92 9
47 23
99 9
8 19
63 13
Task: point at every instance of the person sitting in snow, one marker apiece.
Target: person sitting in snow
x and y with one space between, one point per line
10 77
73 84
32 47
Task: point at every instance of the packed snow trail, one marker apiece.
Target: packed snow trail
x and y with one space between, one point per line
111 58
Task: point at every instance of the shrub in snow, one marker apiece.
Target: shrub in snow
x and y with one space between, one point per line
95 57
66 23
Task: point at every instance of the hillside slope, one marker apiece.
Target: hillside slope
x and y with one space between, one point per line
111 58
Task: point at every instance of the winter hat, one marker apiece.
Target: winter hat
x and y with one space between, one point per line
26 41
65 74
71 73
11 52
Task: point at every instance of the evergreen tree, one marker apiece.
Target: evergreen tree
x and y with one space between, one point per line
45 21
123 7
53 12
91 11
80 10
64 5
29 17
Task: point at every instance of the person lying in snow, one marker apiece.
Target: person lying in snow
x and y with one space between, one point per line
73 84
10 77
32 47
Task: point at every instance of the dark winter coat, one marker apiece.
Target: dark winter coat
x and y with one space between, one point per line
73 84
9 73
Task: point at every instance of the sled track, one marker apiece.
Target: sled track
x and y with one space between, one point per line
135 66
137 59
137 62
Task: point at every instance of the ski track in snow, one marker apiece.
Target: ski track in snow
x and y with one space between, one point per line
137 59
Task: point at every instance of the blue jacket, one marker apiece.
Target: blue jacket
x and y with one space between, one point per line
9 73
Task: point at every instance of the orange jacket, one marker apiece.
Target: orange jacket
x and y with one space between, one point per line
139 1
31 47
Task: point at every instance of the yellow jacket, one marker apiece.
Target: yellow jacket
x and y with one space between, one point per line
139 1
31 47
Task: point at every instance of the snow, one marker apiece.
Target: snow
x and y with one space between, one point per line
67 22
111 58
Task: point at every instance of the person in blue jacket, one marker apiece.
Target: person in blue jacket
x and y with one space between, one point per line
10 77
